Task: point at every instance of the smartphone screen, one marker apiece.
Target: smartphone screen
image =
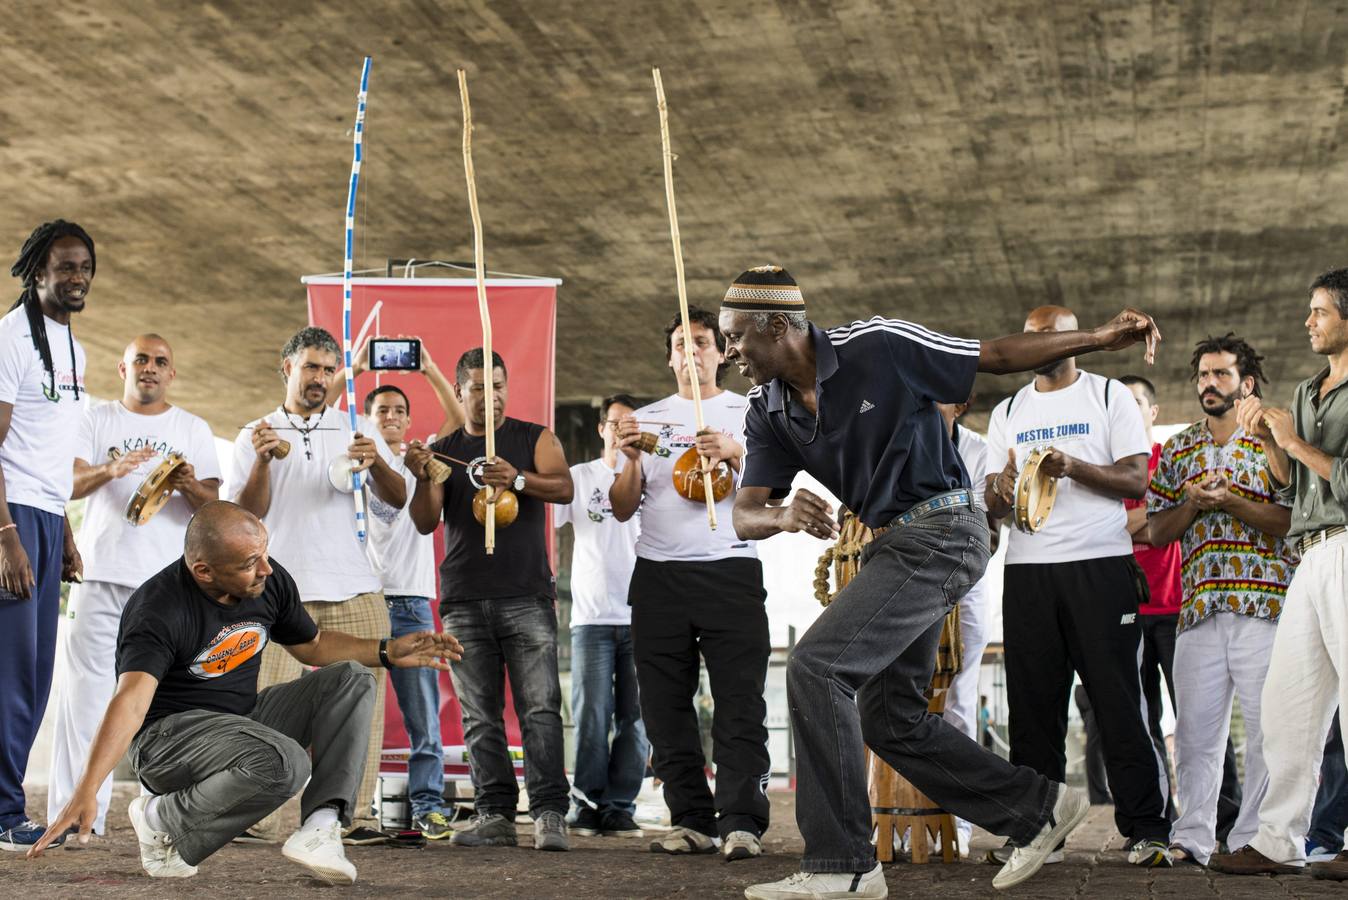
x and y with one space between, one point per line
390 354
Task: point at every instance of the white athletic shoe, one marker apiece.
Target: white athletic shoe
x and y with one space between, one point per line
320 851
158 857
1068 812
741 845
824 886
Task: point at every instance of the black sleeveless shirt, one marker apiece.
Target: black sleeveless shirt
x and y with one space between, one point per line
519 566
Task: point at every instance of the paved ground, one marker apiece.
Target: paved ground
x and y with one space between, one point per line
607 869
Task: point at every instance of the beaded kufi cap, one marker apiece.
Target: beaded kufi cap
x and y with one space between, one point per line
764 289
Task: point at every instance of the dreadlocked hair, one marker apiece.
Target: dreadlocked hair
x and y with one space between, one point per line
32 259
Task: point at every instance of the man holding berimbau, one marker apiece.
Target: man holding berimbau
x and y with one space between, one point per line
855 407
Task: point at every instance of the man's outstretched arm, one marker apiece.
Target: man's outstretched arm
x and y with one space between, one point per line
1034 349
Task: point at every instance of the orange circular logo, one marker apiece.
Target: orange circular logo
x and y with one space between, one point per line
230 649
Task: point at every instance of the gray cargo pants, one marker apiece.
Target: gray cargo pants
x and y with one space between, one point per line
218 774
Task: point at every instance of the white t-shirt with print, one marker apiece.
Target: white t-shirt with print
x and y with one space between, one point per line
604 550
403 556
312 525
674 529
38 455
112 548
1080 421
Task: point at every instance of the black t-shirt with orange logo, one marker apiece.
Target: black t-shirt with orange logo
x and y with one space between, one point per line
205 654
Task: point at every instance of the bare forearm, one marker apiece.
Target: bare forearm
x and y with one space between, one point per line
1169 525
997 507
1120 480
449 404
387 484
552 487
1137 521
1269 518
255 496
336 646
1032 349
754 522
428 500
199 493
89 479
1279 465
625 494
121 721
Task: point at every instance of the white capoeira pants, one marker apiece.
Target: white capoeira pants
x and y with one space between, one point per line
961 702
1225 654
86 678
1307 680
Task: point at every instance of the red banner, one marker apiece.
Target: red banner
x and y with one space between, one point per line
443 313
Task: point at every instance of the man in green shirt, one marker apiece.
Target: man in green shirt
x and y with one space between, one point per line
1307 454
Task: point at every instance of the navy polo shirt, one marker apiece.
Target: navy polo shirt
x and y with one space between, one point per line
878 443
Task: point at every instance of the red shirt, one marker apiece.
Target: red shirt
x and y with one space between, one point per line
1161 564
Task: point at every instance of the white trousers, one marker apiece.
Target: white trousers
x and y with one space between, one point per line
1307 680
961 701
1225 654
86 657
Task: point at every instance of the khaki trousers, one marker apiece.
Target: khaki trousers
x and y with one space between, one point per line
365 616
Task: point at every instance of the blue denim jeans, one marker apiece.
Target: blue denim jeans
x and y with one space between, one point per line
418 693
603 696
515 636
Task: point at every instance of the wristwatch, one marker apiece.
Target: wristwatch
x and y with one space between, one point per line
518 483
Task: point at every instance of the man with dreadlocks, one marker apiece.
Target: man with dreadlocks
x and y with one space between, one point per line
41 405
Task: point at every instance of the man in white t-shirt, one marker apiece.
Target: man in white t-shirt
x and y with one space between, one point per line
1072 589
961 701
603 672
405 561
312 525
42 400
120 444
697 592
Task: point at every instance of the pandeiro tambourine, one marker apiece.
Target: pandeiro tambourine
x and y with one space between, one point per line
1035 493
153 492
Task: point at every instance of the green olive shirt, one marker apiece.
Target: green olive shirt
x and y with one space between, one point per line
1317 503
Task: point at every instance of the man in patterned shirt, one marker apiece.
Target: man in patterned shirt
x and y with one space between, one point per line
1211 491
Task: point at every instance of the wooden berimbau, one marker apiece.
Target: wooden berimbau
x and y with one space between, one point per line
897 807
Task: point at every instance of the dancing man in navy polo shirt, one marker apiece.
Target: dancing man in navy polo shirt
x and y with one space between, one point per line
855 407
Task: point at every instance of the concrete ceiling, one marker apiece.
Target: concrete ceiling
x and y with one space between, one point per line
954 163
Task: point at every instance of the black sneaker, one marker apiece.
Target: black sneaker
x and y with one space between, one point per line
252 836
616 823
588 822
361 836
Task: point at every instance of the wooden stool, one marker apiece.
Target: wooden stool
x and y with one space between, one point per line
896 805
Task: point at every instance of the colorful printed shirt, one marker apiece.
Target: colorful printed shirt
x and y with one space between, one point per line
1228 565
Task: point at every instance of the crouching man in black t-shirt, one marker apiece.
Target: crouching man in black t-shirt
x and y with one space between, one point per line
218 755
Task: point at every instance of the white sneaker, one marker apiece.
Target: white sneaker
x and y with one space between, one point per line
320 851
681 840
1068 812
741 845
824 886
999 855
158 857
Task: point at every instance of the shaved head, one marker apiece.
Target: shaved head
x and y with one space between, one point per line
147 371
1051 318
222 532
1047 319
148 343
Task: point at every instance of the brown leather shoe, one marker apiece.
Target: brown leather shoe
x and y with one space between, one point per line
1335 869
1249 861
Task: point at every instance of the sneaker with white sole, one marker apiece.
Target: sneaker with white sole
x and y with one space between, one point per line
486 830
1069 811
1150 855
158 857
550 832
999 855
320 851
741 845
680 840
824 886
